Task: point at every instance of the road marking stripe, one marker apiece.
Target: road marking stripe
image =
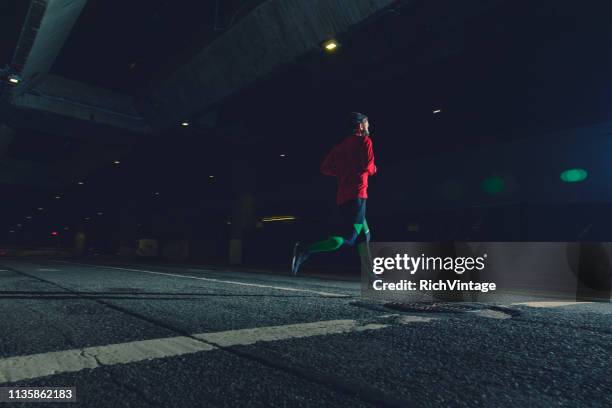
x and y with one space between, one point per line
491 314
47 270
21 368
256 285
549 303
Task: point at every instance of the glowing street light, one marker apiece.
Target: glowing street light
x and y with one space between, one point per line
185 124
331 45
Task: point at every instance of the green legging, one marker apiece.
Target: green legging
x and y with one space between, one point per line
334 242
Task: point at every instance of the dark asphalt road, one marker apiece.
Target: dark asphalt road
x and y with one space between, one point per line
222 338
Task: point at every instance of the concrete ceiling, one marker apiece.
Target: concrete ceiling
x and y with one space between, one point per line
64 95
275 33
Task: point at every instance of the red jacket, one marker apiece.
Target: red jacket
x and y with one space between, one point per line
351 162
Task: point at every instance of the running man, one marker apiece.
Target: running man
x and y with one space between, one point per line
351 162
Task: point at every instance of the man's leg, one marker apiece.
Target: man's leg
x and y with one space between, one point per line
302 252
366 231
351 220
328 245
365 256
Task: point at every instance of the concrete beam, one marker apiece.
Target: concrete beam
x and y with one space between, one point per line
275 33
61 96
64 126
44 33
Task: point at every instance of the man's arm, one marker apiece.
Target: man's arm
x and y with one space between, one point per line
369 166
328 167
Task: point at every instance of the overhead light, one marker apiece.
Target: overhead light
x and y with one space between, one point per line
40 208
55 233
282 155
330 45
87 218
185 124
157 193
11 231
229 223
58 197
100 213
278 218
211 177
437 111
81 183
14 79
19 225
116 162
29 217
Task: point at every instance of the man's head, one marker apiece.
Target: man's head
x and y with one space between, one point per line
359 123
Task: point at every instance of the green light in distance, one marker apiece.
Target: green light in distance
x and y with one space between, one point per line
574 175
493 185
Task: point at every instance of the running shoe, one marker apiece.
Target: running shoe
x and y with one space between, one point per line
299 257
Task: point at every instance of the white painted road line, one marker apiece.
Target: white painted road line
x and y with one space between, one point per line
46 270
256 285
491 314
21 368
549 303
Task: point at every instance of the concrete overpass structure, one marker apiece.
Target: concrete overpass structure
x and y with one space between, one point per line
69 120
252 48
101 124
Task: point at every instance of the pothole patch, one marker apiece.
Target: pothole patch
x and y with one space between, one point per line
434 307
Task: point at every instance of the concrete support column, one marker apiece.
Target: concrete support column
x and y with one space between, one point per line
80 239
128 232
172 228
594 273
6 137
243 208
